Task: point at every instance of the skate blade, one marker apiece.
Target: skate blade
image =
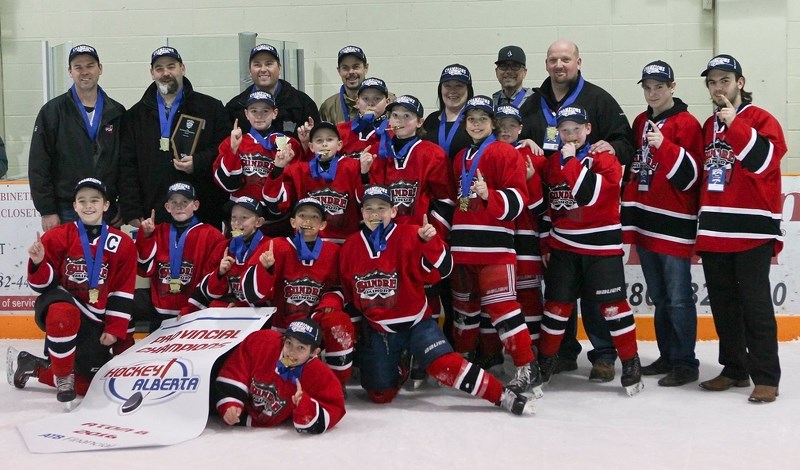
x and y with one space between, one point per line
632 390
537 392
11 364
69 406
530 407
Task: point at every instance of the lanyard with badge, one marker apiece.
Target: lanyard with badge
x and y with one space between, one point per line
551 139
645 170
718 171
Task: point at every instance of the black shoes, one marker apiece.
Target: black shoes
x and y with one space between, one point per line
678 376
659 367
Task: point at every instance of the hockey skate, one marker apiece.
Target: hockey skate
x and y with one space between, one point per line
527 378
632 375
65 388
547 365
516 403
20 366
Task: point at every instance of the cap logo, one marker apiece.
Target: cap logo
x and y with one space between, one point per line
248 200
372 82
570 111
406 99
264 47
300 327
719 61
480 101
376 191
261 95
655 69
510 110
91 180
83 48
350 50
455 71
509 53
164 50
180 187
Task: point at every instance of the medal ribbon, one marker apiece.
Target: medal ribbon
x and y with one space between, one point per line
520 96
387 150
241 251
94 264
345 109
445 142
378 236
550 115
303 253
289 374
176 246
93 126
265 142
467 176
361 123
318 172
164 120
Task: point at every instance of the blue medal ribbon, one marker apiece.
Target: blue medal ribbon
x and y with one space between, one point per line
467 176
93 126
318 172
378 236
265 142
386 150
361 123
550 115
345 110
94 264
303 253
241 251
176 246
164 120
289 374
580 153
445 142
518 99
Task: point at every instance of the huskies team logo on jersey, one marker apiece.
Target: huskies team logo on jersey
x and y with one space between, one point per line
376 284
335 204
165 274
404 195
75 270
265 398
256 167
235 287
302 294
561 198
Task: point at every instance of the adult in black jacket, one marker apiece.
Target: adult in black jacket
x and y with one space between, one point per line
148 167
455 88
295 108
565 86
71 141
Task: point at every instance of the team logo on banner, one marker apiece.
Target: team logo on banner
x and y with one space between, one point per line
149 383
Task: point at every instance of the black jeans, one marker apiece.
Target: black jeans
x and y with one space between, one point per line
741 304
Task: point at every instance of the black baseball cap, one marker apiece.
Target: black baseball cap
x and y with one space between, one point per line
659 71
83 49
456 72
183 188
309 202
572 113
355 51
268 48
377 192
375 83
508 111
725 63
250 204
482 102
511 54
305 330
323 125
409 102
164 51
93 183
260 97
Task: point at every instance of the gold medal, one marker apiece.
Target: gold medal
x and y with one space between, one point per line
163 144
551 133
174 286
281 141
94 296
463 203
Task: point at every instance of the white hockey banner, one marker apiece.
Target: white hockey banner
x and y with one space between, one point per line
154 394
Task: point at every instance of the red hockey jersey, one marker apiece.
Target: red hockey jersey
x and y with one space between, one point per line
295 288
243 173
64 266
340 197
660 201
744 209
154 263
484 233
583 205
353 143
526 226
387 287
249 379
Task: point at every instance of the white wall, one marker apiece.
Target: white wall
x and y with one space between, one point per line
407 44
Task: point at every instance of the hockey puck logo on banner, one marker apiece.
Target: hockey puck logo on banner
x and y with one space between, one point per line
149 383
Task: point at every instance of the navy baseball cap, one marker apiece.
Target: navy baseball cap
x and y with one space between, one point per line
511 54
482 102
659 71
268 48
377 192
305 330
725 63
375 83
309 202
93 183
456 72
409 102
323 125
250 204
355 51
572 113
260 97
164 51
183 188
83 49
508 111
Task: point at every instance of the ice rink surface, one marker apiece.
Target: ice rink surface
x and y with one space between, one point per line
578 425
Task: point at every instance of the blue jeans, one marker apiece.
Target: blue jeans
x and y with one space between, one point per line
596 330
669 284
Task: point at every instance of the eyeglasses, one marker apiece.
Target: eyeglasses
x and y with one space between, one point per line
513 66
